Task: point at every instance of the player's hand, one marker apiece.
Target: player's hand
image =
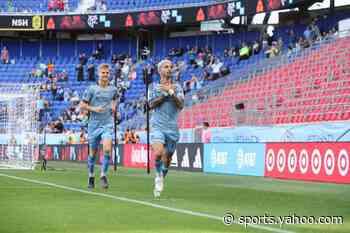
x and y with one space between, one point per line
173 87
165 88
99 109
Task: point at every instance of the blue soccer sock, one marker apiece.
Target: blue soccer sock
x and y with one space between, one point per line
91 165
159 165
164 170
105 164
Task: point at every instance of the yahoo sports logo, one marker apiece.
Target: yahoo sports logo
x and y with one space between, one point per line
306 161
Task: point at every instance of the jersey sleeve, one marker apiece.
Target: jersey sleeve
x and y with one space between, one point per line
88 94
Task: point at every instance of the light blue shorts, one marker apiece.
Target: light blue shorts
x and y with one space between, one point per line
158 136
96 134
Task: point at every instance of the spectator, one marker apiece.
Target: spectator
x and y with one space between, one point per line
5 55
206 134
216 69
125 69
63 76
127 137
70 137
132 73
60 94
58 126
103 5
80 72
100 51
137 139
10 6
273 51
133 137
53 90
91 69
114 59
117 71
147 72
193 84
308 34
243 52
292 39
50 69
82 59
256 47
32 73
145 52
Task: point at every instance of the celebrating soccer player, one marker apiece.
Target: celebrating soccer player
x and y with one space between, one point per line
166 100
100 101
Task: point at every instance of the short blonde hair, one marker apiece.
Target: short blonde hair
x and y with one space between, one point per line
161 63
103 66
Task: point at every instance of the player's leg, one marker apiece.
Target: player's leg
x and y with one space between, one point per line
94 141
158 151
157 139
107 150
170 147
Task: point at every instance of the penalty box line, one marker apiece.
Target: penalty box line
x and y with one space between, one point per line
139 202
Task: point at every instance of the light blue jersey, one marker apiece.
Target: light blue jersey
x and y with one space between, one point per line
164 118
100 125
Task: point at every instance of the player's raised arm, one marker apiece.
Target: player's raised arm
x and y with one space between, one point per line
178 96
156 97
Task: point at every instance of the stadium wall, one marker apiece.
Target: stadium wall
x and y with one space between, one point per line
322 162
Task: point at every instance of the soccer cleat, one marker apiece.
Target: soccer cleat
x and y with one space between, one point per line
104 182
158 184
156 193
91 184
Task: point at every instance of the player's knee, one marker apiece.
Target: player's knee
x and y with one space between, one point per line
158 151
93 152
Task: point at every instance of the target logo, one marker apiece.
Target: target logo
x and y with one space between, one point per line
303 161
292 161
270 160
316 161
343 163
329 162
281 160
308 161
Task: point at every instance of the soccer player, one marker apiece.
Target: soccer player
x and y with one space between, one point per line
166 100
100 101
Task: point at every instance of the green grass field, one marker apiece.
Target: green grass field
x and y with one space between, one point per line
37 204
